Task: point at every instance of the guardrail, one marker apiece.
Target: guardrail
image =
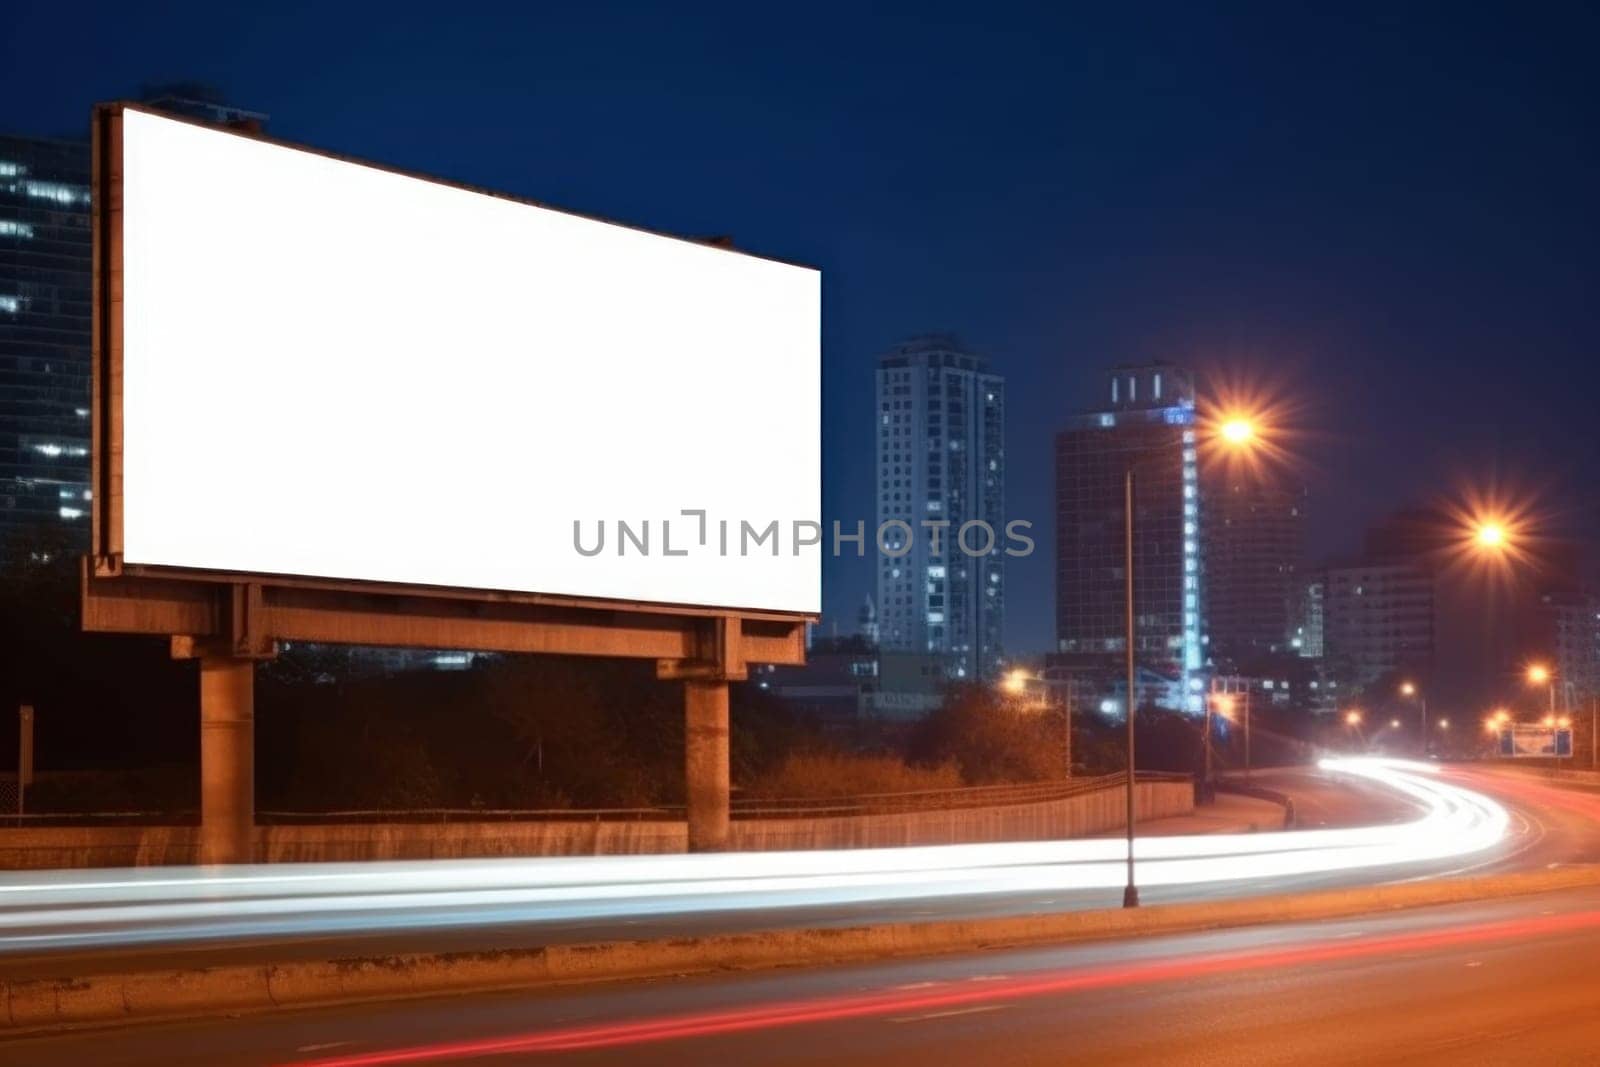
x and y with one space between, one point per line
982 796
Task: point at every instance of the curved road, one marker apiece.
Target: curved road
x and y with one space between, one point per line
47 931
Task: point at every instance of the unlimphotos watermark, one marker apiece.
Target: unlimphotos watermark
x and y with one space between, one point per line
693 532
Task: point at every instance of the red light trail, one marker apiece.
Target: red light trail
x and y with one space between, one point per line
894 1002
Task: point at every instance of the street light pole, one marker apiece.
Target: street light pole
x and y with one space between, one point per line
1130 894
1247 732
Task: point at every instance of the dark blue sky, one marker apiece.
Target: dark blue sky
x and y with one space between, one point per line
1390 213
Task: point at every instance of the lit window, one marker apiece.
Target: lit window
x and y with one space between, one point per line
58 192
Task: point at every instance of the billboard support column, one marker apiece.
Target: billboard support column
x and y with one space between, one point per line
705 749
227 759
719 660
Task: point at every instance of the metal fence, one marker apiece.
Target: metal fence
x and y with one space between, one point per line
985 796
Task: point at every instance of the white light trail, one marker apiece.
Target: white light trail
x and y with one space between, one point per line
162 905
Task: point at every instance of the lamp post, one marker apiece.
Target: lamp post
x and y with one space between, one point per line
1221 704
1237 433
1539 674
1130 892
1410 691
1352 719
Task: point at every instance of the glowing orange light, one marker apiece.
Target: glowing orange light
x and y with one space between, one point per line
1238 431
1490 535
1352 718
1538 674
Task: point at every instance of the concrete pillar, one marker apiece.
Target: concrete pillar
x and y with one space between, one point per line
705 745
227 760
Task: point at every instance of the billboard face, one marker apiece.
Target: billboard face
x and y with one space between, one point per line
335 371
1526 740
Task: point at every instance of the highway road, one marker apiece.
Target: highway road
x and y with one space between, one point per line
1498 982
82 922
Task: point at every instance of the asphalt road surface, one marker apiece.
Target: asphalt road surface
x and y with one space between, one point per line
1500 982
1551 825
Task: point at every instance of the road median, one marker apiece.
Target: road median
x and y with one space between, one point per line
47 1003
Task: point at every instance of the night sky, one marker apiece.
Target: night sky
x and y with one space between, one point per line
1390 216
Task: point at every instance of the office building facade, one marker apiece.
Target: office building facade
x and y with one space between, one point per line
1146 422
1378 618
941 471
1253 538
1569 629
45 270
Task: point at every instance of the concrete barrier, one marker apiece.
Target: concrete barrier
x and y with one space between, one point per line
54 1003
36 848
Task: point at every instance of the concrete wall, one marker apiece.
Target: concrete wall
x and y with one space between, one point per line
137 846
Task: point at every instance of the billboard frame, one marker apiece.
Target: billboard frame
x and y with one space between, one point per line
229 620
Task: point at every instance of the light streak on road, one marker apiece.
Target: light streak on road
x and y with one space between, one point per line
953 997
41 911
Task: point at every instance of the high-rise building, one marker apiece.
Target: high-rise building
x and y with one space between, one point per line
1569 630
1253 529
45 268
1147 423
1308 637
1378 619
941 482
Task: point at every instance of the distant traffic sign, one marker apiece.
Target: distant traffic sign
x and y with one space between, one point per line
1528 740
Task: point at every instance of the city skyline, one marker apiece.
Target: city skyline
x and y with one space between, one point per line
1255 238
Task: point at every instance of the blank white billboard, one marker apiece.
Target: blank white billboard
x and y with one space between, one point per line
336 371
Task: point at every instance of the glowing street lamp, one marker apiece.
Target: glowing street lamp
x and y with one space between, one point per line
1409 690
1238 431
1490 535
1539 674
1352 718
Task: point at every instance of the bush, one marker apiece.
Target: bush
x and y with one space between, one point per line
838 774
992 739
